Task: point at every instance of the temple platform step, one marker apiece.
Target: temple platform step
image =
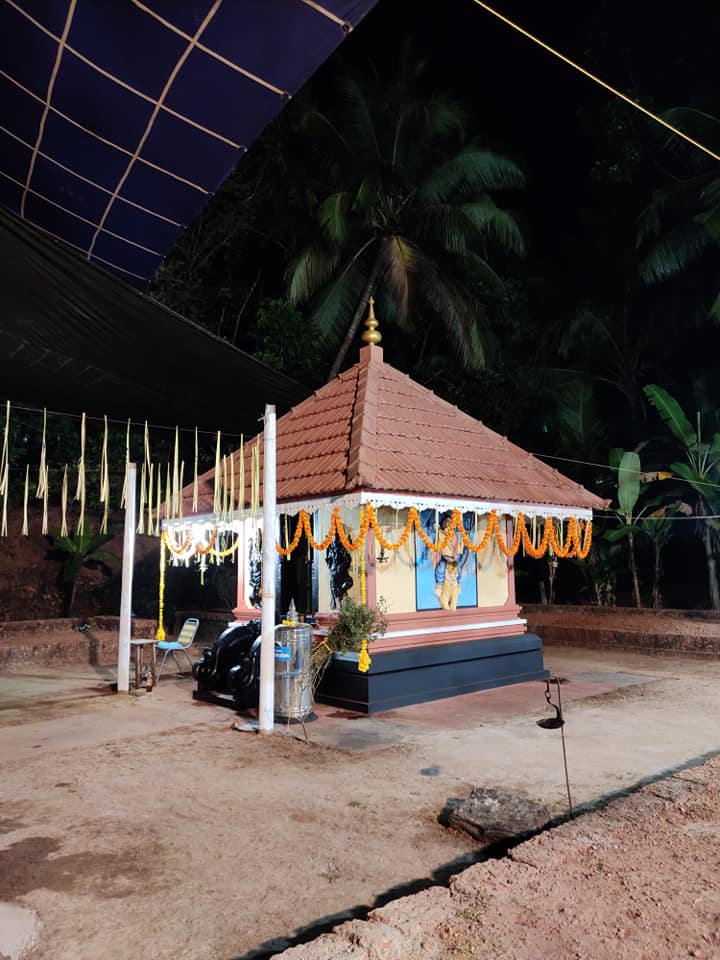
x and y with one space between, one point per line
399 678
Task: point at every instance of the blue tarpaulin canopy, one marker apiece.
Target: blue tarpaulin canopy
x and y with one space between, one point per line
120 118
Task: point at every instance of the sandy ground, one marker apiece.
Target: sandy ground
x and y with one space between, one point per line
147 825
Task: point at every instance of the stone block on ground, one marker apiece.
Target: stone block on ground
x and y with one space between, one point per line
491 815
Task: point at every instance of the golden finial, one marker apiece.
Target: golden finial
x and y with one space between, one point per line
372 334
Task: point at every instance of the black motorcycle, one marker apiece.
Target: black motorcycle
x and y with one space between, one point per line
232 664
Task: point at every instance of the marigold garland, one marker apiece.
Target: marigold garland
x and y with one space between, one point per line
575 543
228 551
206 548
172 546
160 632
364 658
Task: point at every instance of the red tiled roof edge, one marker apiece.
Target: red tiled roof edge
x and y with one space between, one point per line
364 408
361 466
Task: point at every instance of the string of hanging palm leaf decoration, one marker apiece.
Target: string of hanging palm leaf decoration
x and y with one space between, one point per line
228 496
105 480
24 531
150 524
228 505
43 486
140 528
145 491
5 471
254 482
64 502
81 490
217 475
123 496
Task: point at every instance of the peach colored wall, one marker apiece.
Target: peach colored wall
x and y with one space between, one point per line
492 574
395 579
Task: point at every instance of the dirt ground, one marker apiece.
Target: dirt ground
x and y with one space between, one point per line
147 825
639 879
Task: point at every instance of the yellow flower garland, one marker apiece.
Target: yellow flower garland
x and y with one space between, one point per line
160 632
169 541
205 548
201 548
364 659
221 554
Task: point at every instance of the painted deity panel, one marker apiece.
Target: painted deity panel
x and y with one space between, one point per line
445 579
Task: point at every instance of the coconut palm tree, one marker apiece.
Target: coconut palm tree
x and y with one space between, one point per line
407 213
681 223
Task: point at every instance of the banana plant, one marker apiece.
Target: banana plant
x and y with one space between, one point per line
701 471
658 526
600 571
627 463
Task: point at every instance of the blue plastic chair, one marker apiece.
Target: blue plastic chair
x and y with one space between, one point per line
184 640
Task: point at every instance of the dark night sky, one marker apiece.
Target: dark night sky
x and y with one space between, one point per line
537 109
528 101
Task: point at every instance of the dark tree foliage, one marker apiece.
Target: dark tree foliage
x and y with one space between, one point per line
619 223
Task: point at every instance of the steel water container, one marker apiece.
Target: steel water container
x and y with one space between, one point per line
293 678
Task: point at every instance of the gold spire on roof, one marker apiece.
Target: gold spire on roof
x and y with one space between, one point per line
372 334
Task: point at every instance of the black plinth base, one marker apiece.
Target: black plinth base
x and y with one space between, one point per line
399 678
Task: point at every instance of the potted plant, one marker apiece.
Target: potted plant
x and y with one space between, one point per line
356 626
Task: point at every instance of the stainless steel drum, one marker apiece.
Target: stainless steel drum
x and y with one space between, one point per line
293 686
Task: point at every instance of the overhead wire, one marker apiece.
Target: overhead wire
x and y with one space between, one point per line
639 473
591 76
123 423
668 126
540 456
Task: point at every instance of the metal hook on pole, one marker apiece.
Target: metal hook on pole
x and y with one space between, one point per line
557 723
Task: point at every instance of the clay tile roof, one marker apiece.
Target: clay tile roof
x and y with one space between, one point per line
373 428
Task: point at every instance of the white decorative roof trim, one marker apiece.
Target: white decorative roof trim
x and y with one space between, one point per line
201 523
398 501
401 501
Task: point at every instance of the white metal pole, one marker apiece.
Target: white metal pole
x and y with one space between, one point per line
266 714
128 560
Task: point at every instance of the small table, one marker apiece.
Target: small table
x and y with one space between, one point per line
139 646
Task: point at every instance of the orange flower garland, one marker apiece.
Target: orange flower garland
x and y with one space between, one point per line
573 544
172 545
204 550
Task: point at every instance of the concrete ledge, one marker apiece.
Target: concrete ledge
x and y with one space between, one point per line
61 642
662 643
686 632
641 613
